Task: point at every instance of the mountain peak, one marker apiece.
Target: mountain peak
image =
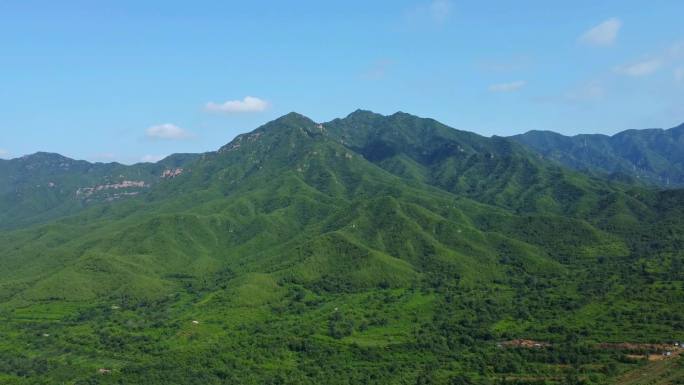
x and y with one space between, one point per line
363 114
403 114
292 119
292 122
42 156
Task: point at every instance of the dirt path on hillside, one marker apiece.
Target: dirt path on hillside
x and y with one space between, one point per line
660 372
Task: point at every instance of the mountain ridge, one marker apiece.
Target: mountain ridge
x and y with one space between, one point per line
420 145
369 250
653 156
44 186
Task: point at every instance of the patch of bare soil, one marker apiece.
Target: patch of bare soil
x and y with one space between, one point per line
524 343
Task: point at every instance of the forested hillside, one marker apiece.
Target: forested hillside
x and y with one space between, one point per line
651 156
366 250
45 186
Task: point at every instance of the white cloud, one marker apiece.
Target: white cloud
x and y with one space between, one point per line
641 68
248 104
679 74
4 153
507 87
440 10
167 131
151 158
669 59
603 34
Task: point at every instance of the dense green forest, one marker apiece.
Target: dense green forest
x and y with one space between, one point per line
654 156
366 250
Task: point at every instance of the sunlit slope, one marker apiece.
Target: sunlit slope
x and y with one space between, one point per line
289 200
296 255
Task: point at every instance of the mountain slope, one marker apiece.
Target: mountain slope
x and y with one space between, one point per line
490 170
367 249
654 156
44 186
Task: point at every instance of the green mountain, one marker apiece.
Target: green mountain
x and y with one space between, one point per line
370 249
44 186
653 156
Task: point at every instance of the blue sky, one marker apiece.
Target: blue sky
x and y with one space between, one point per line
137 80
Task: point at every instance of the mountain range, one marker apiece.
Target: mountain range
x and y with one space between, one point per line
368 249
654 156
45 186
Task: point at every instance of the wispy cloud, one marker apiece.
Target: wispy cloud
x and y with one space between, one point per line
440 10
676 50
167 131
507 87
642 68
247 104
668 58
603 34
679 75
509 64
152 158
581 94
588 92
4 153
378 70
434 12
